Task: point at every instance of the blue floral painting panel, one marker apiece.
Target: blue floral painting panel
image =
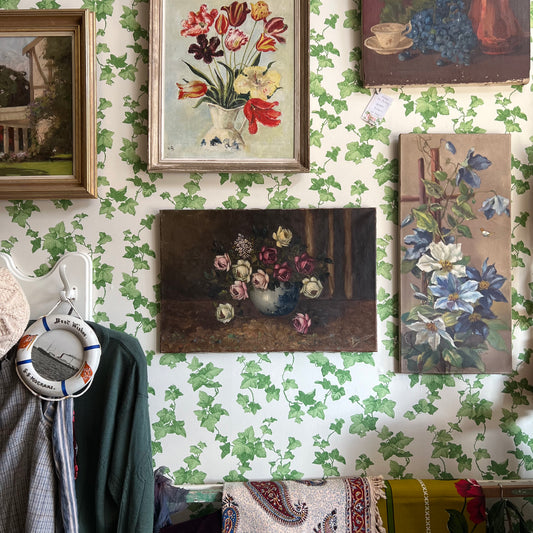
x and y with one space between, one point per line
268 280
455 286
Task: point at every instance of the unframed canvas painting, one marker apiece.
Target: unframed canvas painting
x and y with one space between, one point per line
445 42
455 286
268 280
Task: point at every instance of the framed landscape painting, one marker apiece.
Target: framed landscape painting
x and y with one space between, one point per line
455 281
268 280
47 104
229 86
445 42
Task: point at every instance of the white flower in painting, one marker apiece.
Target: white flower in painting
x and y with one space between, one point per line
225 313
311 287
430 331
442 259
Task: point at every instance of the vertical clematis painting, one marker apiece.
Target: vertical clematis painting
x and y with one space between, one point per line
455 288
229 78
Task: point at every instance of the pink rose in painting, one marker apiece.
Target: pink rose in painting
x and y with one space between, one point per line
305 264
260 279
268 255
198 23
239 291
283 272
235 39
222 262
301 323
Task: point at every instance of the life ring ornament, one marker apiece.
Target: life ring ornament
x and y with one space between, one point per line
47 388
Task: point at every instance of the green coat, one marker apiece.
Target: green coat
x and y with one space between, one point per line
115 484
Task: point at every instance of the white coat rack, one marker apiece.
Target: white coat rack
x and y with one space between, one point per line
70 281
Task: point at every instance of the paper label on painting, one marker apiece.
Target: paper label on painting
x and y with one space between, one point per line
376 109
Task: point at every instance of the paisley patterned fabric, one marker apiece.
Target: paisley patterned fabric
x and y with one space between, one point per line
338 505
272 496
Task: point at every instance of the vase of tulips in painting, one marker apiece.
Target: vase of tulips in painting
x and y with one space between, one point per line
231 76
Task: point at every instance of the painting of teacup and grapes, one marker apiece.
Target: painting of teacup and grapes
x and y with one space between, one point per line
445 42
268 280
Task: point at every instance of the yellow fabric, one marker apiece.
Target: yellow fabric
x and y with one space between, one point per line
404 509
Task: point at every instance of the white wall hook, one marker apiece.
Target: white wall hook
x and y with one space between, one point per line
45 291
68 292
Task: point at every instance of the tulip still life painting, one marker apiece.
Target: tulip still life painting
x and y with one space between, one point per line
230 85
455 280
274 280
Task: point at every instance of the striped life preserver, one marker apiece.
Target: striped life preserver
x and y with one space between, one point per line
47 388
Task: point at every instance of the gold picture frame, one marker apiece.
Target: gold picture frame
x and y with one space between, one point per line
203 56
53 58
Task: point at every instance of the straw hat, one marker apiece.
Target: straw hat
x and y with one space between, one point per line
14 311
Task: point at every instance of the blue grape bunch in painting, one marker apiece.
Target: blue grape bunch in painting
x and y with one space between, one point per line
444 28
454 321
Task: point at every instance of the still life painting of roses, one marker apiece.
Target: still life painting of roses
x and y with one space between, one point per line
229 79
274 280
455 285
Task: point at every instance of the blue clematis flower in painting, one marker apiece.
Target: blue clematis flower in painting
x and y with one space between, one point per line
467 171
489 283
455 295
420 242
475 323
453 320
496 205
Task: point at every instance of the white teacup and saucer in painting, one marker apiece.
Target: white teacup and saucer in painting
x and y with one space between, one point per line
389 38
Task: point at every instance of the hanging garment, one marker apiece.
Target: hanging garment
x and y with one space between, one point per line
168 499
115 484
36 459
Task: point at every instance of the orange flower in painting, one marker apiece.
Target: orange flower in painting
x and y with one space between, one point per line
265 44
260 10
198 23
257 110
237 12
191 89
222 24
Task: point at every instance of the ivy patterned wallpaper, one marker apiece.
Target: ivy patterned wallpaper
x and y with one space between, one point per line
264 415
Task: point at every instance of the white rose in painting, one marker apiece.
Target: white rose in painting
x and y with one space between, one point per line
312 288
225 313
242 270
